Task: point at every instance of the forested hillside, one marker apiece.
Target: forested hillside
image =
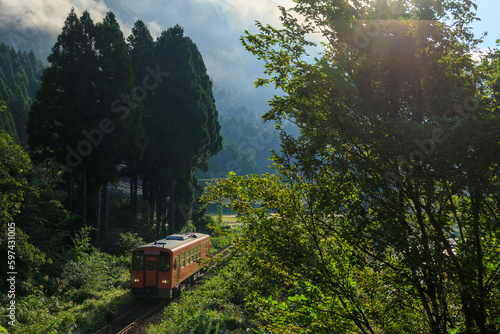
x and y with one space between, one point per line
147 105
105 107
19 81
248 141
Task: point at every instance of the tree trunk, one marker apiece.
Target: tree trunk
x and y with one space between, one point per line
106 208
98 217
84 195
481 293
133 199
71 191
158 216
171 211
131 189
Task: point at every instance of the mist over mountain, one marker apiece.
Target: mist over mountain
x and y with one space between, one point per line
215 27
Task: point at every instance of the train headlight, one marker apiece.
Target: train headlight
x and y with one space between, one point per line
165 281
135 280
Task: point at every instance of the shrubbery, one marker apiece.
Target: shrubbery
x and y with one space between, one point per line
211 308
89 282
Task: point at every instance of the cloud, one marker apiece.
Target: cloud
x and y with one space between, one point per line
32 17
34 25
214 25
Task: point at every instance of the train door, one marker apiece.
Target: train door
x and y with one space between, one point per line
151 265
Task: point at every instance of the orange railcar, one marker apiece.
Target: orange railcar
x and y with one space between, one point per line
162 267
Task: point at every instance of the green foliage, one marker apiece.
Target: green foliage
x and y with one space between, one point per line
208 309
219 215
41 313
90 273
123 243
7 122
189 227
35 314
42 214
19 80
232 158
247 142
15 172
384 201
84 283
204 224
82 241
14 168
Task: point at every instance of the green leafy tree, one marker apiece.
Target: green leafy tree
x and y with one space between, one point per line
393 178
6 121
15 170
15 165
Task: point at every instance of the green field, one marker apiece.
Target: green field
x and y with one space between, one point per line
226 219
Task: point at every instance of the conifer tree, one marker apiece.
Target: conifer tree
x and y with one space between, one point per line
18 87
78 118
189 111
141 48
182 127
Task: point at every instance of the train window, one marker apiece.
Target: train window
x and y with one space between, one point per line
138 261
199 251
183 260
189 256
164 262
151 265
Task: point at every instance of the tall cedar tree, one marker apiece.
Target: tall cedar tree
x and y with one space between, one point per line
141 48
182 126
78 118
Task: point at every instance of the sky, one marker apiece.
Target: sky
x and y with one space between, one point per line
488 11
214 25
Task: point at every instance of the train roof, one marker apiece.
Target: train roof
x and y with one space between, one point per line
174 241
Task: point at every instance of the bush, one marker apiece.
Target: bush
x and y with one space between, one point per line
121 243
93 272
204 224
39 313
207 310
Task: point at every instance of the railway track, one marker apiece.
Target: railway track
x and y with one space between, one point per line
129 319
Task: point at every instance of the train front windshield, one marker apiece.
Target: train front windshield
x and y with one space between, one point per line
138 261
